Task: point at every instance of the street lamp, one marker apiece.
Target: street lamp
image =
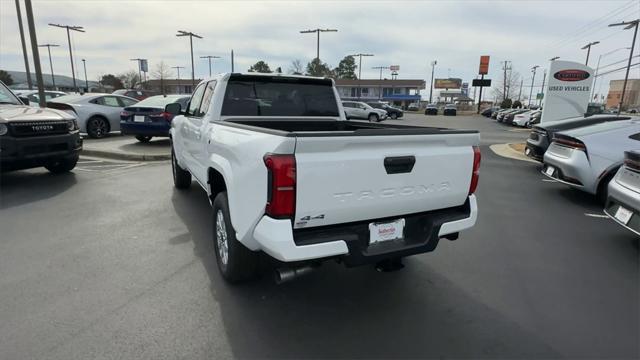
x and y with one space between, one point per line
209 57
317 31
433 65
139 61
554 58
629 25
71 28
48 46
24 46
588 47
360 55
178 69
595 77
191 36
533 69
86 82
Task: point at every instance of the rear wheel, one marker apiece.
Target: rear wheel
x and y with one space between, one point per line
373 118
393 116
63 165
97 127
181 178
143 138
235 261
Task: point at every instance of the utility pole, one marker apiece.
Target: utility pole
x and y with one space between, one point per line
533 69
317 31
74 28
360 55
629 25
139 61
433 65
520 92
178 69
381 68
36 53
588 47
505 63
191 36
24 46
595 77
209 57
231 60
53 79
86 81
544 77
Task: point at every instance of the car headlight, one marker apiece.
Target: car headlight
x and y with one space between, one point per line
72 125
3 129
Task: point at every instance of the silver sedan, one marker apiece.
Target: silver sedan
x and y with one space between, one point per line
587 158
623 204
98 114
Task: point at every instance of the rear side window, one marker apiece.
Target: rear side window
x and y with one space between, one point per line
271 96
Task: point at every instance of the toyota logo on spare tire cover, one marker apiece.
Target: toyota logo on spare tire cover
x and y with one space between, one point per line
571 75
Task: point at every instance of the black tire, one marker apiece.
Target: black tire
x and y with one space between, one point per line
97 127
181 178
239 264
373 118
603 187
393 116
143 138
63 165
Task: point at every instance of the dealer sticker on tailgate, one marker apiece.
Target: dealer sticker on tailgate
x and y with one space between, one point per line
387 231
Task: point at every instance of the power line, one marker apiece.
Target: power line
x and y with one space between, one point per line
618 69
618 62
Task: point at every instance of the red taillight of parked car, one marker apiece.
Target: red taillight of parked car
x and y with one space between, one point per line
632 160
281 183
475 175
124 114
569 142
165 115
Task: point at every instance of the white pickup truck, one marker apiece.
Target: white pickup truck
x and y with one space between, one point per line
289 176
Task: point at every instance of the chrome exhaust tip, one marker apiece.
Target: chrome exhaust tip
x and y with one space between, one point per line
283 275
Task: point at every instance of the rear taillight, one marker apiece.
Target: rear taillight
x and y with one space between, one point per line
632 160
569 142
281 196
125 113
165 115
475 175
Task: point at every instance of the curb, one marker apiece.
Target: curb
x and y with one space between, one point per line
125 156
505 150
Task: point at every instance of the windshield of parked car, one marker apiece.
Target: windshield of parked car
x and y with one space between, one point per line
7 97
271 96
159 101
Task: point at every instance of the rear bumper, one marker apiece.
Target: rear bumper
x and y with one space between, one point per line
573 170
145 128
627 198
350 242
534 151
27 152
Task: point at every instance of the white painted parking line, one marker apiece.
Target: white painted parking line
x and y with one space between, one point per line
599 216
548 180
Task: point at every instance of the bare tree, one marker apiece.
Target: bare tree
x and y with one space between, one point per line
129 79
162 71
296 67
512 85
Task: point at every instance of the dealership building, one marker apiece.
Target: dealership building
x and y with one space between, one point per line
396 92
631 95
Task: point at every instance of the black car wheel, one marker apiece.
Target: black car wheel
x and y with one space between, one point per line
143 138
373 118
63 165
393 116
97 127
181 178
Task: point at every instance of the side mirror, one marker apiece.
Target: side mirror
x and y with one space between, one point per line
173 109
24 99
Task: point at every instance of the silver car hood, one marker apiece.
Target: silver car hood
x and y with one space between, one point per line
13 113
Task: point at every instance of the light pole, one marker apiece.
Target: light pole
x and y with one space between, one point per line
86 81
317 31
595 77
533 69
629 25
588 47
433 65
209 57
24 45
191 36
73 28
360 55
178 69
139 61
48 46
36 54
381 68
544 78
554 58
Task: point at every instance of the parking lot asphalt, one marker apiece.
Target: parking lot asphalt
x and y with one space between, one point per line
111 262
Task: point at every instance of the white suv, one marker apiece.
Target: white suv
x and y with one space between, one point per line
360 110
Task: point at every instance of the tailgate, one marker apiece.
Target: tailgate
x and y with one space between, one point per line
353 178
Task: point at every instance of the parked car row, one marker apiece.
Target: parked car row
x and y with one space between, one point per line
518 117
597 154
447 110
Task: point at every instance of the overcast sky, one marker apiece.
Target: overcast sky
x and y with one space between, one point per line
410 34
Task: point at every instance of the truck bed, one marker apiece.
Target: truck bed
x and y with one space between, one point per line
331 127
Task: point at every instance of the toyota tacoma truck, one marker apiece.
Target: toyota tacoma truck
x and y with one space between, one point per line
287 175
33 137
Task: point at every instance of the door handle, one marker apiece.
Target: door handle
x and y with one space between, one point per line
399 164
